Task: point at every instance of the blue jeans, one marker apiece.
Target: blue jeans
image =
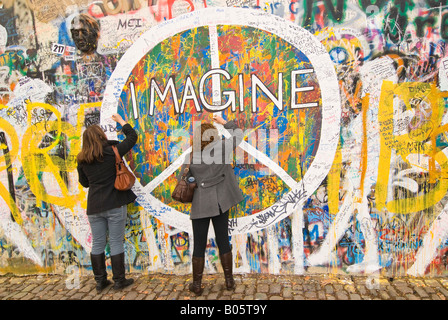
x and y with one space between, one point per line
114 221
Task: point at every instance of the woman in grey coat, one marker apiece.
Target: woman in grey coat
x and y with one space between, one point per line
217 192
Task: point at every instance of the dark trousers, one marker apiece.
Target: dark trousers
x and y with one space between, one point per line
200 232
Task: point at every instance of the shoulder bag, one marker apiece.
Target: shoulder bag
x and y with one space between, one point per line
125 179
184 190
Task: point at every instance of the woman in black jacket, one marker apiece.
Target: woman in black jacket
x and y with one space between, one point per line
106 206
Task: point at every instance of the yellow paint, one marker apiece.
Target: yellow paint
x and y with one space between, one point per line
334 180
364 151
10 132
36 160
4 192
429 93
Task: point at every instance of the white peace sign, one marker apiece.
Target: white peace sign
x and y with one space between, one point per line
330 109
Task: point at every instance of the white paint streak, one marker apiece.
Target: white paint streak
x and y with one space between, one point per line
274 259
15 235
437 235
134 101
297 241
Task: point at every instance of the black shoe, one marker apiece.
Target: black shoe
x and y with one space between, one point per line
123 284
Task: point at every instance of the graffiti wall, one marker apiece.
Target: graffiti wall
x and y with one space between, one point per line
343 105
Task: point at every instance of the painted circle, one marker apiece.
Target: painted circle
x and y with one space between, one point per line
135 67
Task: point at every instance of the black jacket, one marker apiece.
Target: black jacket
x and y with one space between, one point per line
99 177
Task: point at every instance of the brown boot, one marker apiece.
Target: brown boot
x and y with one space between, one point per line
198 269
227 265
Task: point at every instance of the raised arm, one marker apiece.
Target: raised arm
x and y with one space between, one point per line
131 136
230 144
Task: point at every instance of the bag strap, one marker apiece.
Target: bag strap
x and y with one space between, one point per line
187 168
118 159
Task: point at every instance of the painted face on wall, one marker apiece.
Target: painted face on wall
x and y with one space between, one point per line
85 33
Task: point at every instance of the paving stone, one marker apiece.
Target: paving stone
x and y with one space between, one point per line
131 295
384 295
287 293
355 296
260 296
442 290
404 288
150 296
341 295
328 289
213 296
275 288
350 288
263 288
310 295
421 292
442 297
248 287
240 288
77 296
250 290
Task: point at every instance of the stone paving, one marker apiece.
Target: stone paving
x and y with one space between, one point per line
248 287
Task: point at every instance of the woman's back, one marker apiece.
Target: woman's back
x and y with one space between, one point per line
99 176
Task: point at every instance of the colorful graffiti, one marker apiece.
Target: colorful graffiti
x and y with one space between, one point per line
342 103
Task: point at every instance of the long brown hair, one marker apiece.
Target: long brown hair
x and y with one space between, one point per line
204 135
93 140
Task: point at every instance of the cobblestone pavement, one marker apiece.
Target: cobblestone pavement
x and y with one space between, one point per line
248 287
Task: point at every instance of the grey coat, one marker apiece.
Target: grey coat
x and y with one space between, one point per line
213 171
